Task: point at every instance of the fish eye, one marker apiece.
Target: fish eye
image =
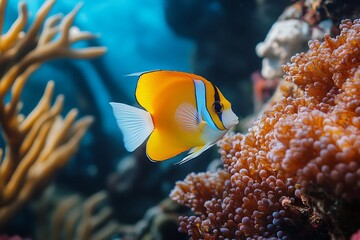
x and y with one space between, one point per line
218 107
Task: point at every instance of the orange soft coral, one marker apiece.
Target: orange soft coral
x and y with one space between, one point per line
322 141
299 163
248 200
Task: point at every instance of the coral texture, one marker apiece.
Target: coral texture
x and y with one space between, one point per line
39 144
297 170
289 35
317 138
284 39
66 215
70 216
245 200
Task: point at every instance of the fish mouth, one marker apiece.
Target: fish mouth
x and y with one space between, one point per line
229 119
234 122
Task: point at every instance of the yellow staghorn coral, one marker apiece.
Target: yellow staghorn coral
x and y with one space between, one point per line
296 173
39 144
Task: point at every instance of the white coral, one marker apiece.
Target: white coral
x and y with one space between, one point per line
284 39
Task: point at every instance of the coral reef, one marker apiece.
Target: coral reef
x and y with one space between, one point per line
64 215
327 121
289 35
296 173
61 214
285 38
243 201
39 144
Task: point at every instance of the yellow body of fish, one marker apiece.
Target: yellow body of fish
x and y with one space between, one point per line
183 112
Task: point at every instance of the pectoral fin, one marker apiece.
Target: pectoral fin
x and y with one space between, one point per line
188 117
194 152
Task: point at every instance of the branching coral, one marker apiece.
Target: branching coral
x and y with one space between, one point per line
298 167
63 215
39 144
74 217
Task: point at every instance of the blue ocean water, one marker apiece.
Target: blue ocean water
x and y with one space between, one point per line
137 38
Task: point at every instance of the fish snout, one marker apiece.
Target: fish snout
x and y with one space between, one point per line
229 119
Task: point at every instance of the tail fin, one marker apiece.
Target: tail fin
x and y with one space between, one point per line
135 124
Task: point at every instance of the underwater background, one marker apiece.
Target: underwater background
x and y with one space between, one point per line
62 178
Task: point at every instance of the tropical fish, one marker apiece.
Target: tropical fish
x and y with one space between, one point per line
183 112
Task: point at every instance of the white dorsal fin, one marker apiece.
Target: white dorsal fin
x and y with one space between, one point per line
138 74
194 152
135 124
188 117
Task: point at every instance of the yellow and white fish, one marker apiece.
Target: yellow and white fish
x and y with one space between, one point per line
183 112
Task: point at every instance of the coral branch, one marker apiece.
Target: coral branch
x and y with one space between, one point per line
8 40
39 144
75 217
